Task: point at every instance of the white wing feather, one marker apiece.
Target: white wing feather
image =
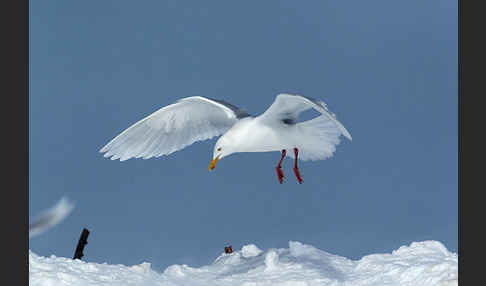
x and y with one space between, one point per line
288 106
174 127
317 138
51 217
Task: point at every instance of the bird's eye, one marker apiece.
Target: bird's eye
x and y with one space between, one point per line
219 149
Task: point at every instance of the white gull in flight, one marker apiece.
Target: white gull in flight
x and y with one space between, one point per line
196 118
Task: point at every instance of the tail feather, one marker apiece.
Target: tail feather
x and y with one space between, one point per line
318 138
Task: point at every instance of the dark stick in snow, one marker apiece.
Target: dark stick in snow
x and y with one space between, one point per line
83 240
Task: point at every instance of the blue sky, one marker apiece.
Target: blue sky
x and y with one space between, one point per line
388 71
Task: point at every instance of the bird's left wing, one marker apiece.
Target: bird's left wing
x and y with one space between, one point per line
51 217
174 127
287 108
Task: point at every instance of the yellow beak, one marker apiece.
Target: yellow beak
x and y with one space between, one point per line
213 163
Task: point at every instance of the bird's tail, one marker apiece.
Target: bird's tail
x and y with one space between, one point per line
318 138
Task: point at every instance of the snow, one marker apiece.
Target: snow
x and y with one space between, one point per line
420 263
250 250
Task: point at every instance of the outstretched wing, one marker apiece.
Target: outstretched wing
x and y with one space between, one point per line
51 217
287 108
174 127
317 138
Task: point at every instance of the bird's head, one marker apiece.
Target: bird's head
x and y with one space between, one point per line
222 148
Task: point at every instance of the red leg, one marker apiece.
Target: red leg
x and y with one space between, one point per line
280 173
296 169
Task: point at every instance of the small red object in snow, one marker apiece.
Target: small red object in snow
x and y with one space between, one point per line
227 249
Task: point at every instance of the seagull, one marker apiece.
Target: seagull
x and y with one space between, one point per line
196 118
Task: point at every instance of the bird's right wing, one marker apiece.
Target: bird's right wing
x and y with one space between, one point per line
317 138
174 127
287 107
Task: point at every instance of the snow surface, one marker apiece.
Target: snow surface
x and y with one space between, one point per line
421 263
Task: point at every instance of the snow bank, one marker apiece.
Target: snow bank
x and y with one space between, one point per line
421 263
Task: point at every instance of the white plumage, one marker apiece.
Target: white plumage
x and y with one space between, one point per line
51 217
196 118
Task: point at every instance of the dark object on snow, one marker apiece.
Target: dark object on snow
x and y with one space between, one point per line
83 240
227 249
